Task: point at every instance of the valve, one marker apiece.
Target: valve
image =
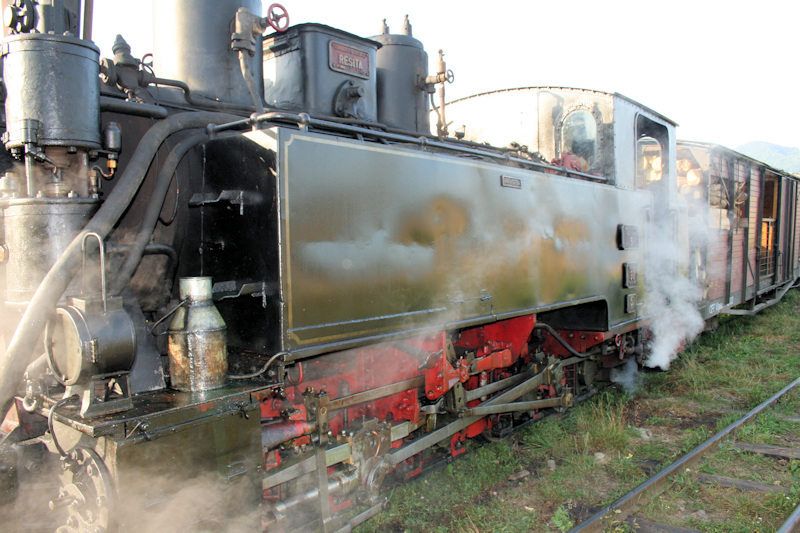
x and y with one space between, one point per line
277 17
443 75
247 26
20 16
124 71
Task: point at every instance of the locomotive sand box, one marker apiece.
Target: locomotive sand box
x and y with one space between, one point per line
243 284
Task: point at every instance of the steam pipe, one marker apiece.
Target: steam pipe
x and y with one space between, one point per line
30 186
115 105
157 248
88 15
549 329
187 93
150 218
249 80
152 248
22 344
276 433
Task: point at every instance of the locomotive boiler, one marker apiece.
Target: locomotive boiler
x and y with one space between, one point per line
243 283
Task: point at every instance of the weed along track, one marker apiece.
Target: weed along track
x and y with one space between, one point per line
629 504
731 397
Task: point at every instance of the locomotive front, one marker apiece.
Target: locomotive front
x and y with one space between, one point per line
243 283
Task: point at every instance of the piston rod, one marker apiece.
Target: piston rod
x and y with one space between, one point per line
561 401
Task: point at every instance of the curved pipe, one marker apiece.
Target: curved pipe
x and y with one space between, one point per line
152 248
22 344
258 372
157 248
154 206
208 104
549 329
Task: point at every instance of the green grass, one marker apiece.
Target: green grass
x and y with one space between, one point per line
601 424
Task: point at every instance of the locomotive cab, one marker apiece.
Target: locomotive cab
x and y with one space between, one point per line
600 129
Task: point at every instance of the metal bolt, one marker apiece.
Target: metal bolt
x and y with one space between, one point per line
62 501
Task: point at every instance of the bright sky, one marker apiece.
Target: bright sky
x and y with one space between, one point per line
725 71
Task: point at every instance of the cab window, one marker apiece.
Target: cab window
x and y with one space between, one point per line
649 162
579 137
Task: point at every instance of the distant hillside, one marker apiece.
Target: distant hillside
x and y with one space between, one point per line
780 157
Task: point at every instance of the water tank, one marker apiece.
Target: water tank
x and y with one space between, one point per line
320 70
402 68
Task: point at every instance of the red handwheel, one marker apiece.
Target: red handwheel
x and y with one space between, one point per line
278 17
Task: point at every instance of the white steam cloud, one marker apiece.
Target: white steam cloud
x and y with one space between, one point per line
627 376
672 294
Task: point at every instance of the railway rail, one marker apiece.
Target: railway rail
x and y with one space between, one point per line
628 504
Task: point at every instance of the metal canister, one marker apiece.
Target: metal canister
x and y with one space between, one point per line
197 347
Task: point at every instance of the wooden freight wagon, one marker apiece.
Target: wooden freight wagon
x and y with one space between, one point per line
743 234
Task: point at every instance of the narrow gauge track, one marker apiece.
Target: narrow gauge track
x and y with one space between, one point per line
630 503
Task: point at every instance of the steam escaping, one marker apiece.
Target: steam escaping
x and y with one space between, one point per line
676 320
627 376
673 294
200 503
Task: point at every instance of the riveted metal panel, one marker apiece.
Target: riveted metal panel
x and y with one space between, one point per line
378 240
351 242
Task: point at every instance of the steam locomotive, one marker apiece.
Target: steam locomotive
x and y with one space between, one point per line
243 283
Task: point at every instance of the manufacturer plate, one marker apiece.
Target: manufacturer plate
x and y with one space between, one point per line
508 181
348 60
